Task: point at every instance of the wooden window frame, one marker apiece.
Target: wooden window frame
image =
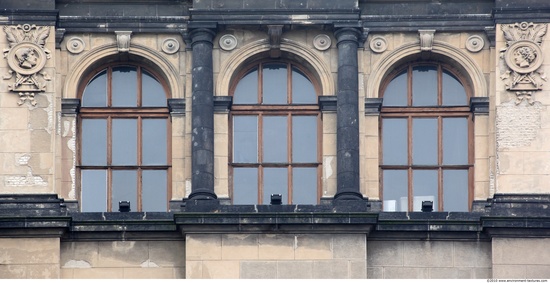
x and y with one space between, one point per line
138 113
288 110
440 112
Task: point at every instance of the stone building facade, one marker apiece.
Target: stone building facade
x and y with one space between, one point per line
274 139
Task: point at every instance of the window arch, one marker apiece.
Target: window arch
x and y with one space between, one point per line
124 140
426 133
275 128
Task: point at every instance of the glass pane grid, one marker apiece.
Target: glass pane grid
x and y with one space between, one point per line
135 168
435 141
276 147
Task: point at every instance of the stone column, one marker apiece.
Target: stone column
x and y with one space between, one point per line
347 130
202 116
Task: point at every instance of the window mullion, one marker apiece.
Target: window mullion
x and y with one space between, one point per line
410 162
440 163
139 160
260 157
260 84
289 156
289 83
139 87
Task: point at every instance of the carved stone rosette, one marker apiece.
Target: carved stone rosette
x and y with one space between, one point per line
523 57
27 57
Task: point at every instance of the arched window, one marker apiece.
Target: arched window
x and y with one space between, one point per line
276 122
124 140
426 131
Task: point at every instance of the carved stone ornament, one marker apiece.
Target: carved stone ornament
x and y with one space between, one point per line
322 42
378 44
475 43
26 57
228 42
75 45
123 40
170 46
426 39
523 57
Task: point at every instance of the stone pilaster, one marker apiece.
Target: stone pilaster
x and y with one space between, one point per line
202 116
347 134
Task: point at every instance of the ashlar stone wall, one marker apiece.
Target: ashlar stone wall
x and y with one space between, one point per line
123 259
521 258
29 258
429 260
275 256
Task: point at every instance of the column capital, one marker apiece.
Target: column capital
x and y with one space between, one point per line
348 34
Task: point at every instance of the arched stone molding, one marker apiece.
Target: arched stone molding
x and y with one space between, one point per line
103 54
238 59
441 51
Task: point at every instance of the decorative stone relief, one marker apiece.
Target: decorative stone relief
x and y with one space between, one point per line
228 42
475 43
123 40
523 57
27 57
322 42
170 46
75 45
426 39
378 44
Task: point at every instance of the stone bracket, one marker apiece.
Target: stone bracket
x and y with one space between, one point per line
176 106
479 105
70 106
373 106
426 39
222 104
275 32
123 40
328 103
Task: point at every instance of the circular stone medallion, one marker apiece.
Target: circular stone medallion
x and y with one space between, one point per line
523 56
170 46
26 58
228 42
322 42
75 45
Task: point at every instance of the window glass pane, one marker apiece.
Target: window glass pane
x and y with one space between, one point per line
245 139
152 91
455 190
124 188
245 185
394 141
453 91
94 190
424 141
247 89
396 92
424 188
124 142
95 94
303 91
124 87
395 190
94 142
274 84
275 139
275 182
304 185
304 139
424 86
153 187
455 141
154 141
